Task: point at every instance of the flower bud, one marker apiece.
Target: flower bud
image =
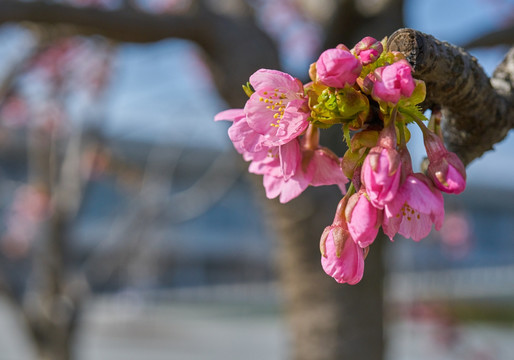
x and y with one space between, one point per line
341 257
381 170
338 67
445 168
368 50
363 219
392 82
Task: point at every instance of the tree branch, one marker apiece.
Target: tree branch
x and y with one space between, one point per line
478 112
236 46
500 37
126 24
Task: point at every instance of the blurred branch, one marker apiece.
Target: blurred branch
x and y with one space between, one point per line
153 207
127 234
235 46
478 111
217 180
125 24
354 19
495 38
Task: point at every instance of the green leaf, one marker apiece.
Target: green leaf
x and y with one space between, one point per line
248 89
412 112
346 132
418 95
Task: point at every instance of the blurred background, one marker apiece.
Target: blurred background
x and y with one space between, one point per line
129 228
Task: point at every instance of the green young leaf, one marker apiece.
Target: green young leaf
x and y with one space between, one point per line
417 97
350 162
346 133
412 112
366 138
351 102
248 89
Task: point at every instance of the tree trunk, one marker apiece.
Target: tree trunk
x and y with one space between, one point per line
51 307
327 320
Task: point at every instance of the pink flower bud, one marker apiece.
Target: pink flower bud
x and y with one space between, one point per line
341 257
368 50
393 82
381 170
363 219
338 67
445 168
381 175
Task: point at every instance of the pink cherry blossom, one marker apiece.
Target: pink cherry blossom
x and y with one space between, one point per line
381 173
278 108
393 81
280 161
416 206
363 219
337 68
368 50
445 168
327 169
453 182
320 168
244 138
348 265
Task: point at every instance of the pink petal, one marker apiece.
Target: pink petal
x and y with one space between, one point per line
266 162
230 115
292 188
265 79
421 197
349 267
456 183
327 171
290 157
245 139
363 222
273 185
415 228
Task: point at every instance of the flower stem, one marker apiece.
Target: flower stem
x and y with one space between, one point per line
311 137
401 129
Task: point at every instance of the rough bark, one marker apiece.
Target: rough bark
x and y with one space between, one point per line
478 111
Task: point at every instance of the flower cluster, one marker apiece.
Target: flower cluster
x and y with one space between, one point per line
371 93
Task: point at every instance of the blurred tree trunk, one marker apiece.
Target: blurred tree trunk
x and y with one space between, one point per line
51 309
327 320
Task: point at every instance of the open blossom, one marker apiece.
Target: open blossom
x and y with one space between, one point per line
341 257
322 167
393 81
445 168
278 108
363 219
416 206
337 68
279 161
244 138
